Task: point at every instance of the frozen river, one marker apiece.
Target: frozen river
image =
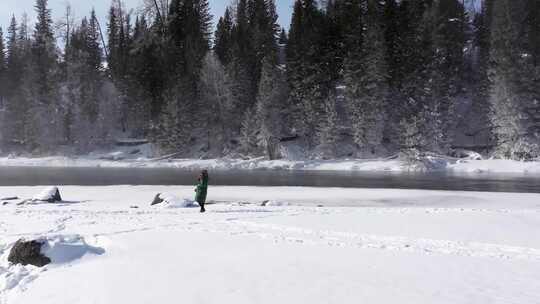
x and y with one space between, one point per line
37 176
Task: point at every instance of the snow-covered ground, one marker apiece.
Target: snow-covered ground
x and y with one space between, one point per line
373 165
307 245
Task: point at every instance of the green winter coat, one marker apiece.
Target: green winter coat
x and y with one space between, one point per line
202 189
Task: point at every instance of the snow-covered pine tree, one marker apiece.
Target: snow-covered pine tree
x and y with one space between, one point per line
92 81
14 105
249 143
366 84
83 89
242 61
262 19
329 129
418 87
305 69
448 67
271 95
532 72
392 42
3 68
188 31
478 117
174 130
532 30
216 105
2 87
43 84
512 84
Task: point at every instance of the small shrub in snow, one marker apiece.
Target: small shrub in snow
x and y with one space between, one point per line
416 160
522 150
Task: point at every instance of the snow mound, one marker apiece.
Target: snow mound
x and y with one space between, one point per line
172 201
67 248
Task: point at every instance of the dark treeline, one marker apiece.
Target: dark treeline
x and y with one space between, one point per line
350 78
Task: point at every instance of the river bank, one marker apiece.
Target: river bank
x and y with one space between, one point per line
465 165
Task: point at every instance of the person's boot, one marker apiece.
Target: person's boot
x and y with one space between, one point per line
202 209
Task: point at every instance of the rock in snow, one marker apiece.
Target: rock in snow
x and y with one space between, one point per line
157 200
50 195
11 198
28 253
51 250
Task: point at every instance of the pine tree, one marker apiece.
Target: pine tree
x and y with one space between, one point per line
188 32
328 133
118 32
306 72
15 106
392 42
216 105
240 67
14 63
223 38
92 75
367 87
448 68
146 78
419 108
113 39
262 20
43 130
3 68
272 93
477 118
44 54
249 143
532 30
532 70
511 84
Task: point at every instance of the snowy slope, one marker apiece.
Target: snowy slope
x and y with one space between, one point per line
380 246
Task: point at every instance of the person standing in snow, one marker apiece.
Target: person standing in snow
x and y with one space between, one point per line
202 189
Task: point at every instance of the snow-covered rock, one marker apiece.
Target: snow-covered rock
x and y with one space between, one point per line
50 195
52 249
167 200
272 203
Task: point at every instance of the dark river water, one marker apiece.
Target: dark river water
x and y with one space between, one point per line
38 176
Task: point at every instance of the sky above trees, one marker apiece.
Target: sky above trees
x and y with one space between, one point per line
83 7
